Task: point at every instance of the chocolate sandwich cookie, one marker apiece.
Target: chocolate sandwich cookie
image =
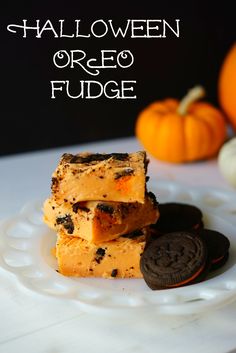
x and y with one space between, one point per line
176 217
218 247
174 260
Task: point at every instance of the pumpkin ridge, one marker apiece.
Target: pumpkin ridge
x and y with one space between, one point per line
216 134
211 132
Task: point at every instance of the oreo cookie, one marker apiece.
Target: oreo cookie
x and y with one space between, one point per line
218 247
174 259
175 217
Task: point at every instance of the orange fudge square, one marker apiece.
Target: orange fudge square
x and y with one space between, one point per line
119 177
99 221
119 258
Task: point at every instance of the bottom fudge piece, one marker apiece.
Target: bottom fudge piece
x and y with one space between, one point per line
118 258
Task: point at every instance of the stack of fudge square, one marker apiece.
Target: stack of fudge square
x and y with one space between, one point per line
101 211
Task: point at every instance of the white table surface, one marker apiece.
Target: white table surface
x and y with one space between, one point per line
35 323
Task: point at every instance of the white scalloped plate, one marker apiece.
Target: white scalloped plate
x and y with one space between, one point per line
25 250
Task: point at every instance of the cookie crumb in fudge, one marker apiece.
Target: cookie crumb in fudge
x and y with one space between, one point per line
105 208
123 173
114 272
54 184
67 223
133 234
79 206
100 253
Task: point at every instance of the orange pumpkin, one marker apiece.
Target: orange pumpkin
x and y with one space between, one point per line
227 86
183 131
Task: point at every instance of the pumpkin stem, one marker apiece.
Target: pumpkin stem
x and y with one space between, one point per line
193 94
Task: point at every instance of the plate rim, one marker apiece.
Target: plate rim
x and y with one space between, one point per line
168 306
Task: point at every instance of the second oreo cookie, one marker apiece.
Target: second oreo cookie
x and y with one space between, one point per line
176 217
174 260
218 247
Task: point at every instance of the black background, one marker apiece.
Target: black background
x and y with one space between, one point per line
31 120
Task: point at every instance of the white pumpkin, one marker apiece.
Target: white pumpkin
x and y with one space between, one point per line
227 161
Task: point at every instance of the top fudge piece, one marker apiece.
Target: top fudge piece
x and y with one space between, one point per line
109 177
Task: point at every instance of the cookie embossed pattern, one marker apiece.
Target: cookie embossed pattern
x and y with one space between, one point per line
26 244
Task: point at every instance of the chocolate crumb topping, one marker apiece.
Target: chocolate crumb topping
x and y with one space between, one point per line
67 223
114 272
54 184
96 157
153 199
147 178
79 206
105 208
123 173
66 157
146 162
